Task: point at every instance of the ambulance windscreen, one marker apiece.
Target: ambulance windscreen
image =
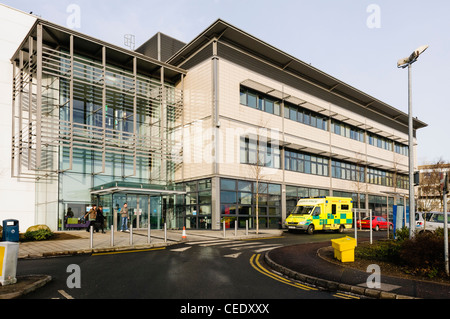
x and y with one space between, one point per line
303 210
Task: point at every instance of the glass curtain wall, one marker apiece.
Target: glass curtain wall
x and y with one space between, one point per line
238 203
117 132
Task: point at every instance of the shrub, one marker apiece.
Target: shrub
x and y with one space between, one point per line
402 234
424 254
382 251
39 235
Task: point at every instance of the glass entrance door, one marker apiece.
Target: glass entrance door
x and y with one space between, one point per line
142 213
132 201
118 201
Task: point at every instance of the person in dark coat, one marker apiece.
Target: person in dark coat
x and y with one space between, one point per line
100 220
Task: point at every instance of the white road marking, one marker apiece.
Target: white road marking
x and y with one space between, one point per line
65 294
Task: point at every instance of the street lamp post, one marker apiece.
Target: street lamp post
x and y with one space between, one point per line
403 63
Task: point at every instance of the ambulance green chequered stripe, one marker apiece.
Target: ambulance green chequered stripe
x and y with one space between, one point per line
254 262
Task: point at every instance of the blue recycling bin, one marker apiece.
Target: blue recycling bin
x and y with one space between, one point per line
10 231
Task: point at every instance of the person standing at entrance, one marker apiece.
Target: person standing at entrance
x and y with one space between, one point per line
100 219
91 216
124 215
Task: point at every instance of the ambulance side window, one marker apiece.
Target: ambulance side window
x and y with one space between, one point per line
316 211
333 209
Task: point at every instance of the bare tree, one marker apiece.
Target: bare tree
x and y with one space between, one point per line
430 192
259 164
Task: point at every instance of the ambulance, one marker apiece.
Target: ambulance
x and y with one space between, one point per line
321 213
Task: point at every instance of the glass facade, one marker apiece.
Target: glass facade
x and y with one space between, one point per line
239 200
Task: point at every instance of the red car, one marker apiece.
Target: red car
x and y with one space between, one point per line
377 223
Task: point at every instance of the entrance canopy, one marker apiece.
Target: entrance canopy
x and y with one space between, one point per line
137 188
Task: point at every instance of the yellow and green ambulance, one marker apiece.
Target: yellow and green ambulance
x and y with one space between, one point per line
321 213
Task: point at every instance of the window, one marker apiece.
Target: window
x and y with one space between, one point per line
401 149
259 101
269 155
316 211
346 130
306 163
347 171
305 116
379 141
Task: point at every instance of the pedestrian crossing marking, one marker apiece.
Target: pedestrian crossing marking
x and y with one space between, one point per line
217 244
256 246
180 250
239 245
208 242
266 249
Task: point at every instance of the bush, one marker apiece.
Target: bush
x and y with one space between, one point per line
424 254
39 235
387 251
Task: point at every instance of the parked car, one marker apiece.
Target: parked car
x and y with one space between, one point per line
433 221
420 221
377 223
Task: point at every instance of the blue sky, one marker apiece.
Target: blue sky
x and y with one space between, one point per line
332 35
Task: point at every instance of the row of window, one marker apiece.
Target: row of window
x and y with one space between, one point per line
305 116
261 153
299 114
260 101
305 163
316 165
346 130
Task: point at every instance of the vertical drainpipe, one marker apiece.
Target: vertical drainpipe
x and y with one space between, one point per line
215 61
216 127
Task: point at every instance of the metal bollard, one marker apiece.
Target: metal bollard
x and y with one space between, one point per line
224 234
149 233
165 232
112 235
92 236
235 228
131 235
246 228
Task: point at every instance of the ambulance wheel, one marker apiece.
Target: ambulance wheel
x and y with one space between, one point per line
341 229
310 230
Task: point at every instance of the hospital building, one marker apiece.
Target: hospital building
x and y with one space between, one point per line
188 134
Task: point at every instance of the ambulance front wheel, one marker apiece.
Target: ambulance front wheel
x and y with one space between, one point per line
310 229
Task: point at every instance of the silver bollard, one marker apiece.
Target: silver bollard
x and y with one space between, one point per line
165 232
112 235
92 236
131 235
224 234
149 233
235 228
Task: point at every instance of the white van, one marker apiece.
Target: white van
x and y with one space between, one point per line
431 221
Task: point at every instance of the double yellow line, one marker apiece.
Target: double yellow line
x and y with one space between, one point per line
254 262
127 251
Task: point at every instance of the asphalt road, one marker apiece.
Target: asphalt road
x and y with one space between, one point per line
217 269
